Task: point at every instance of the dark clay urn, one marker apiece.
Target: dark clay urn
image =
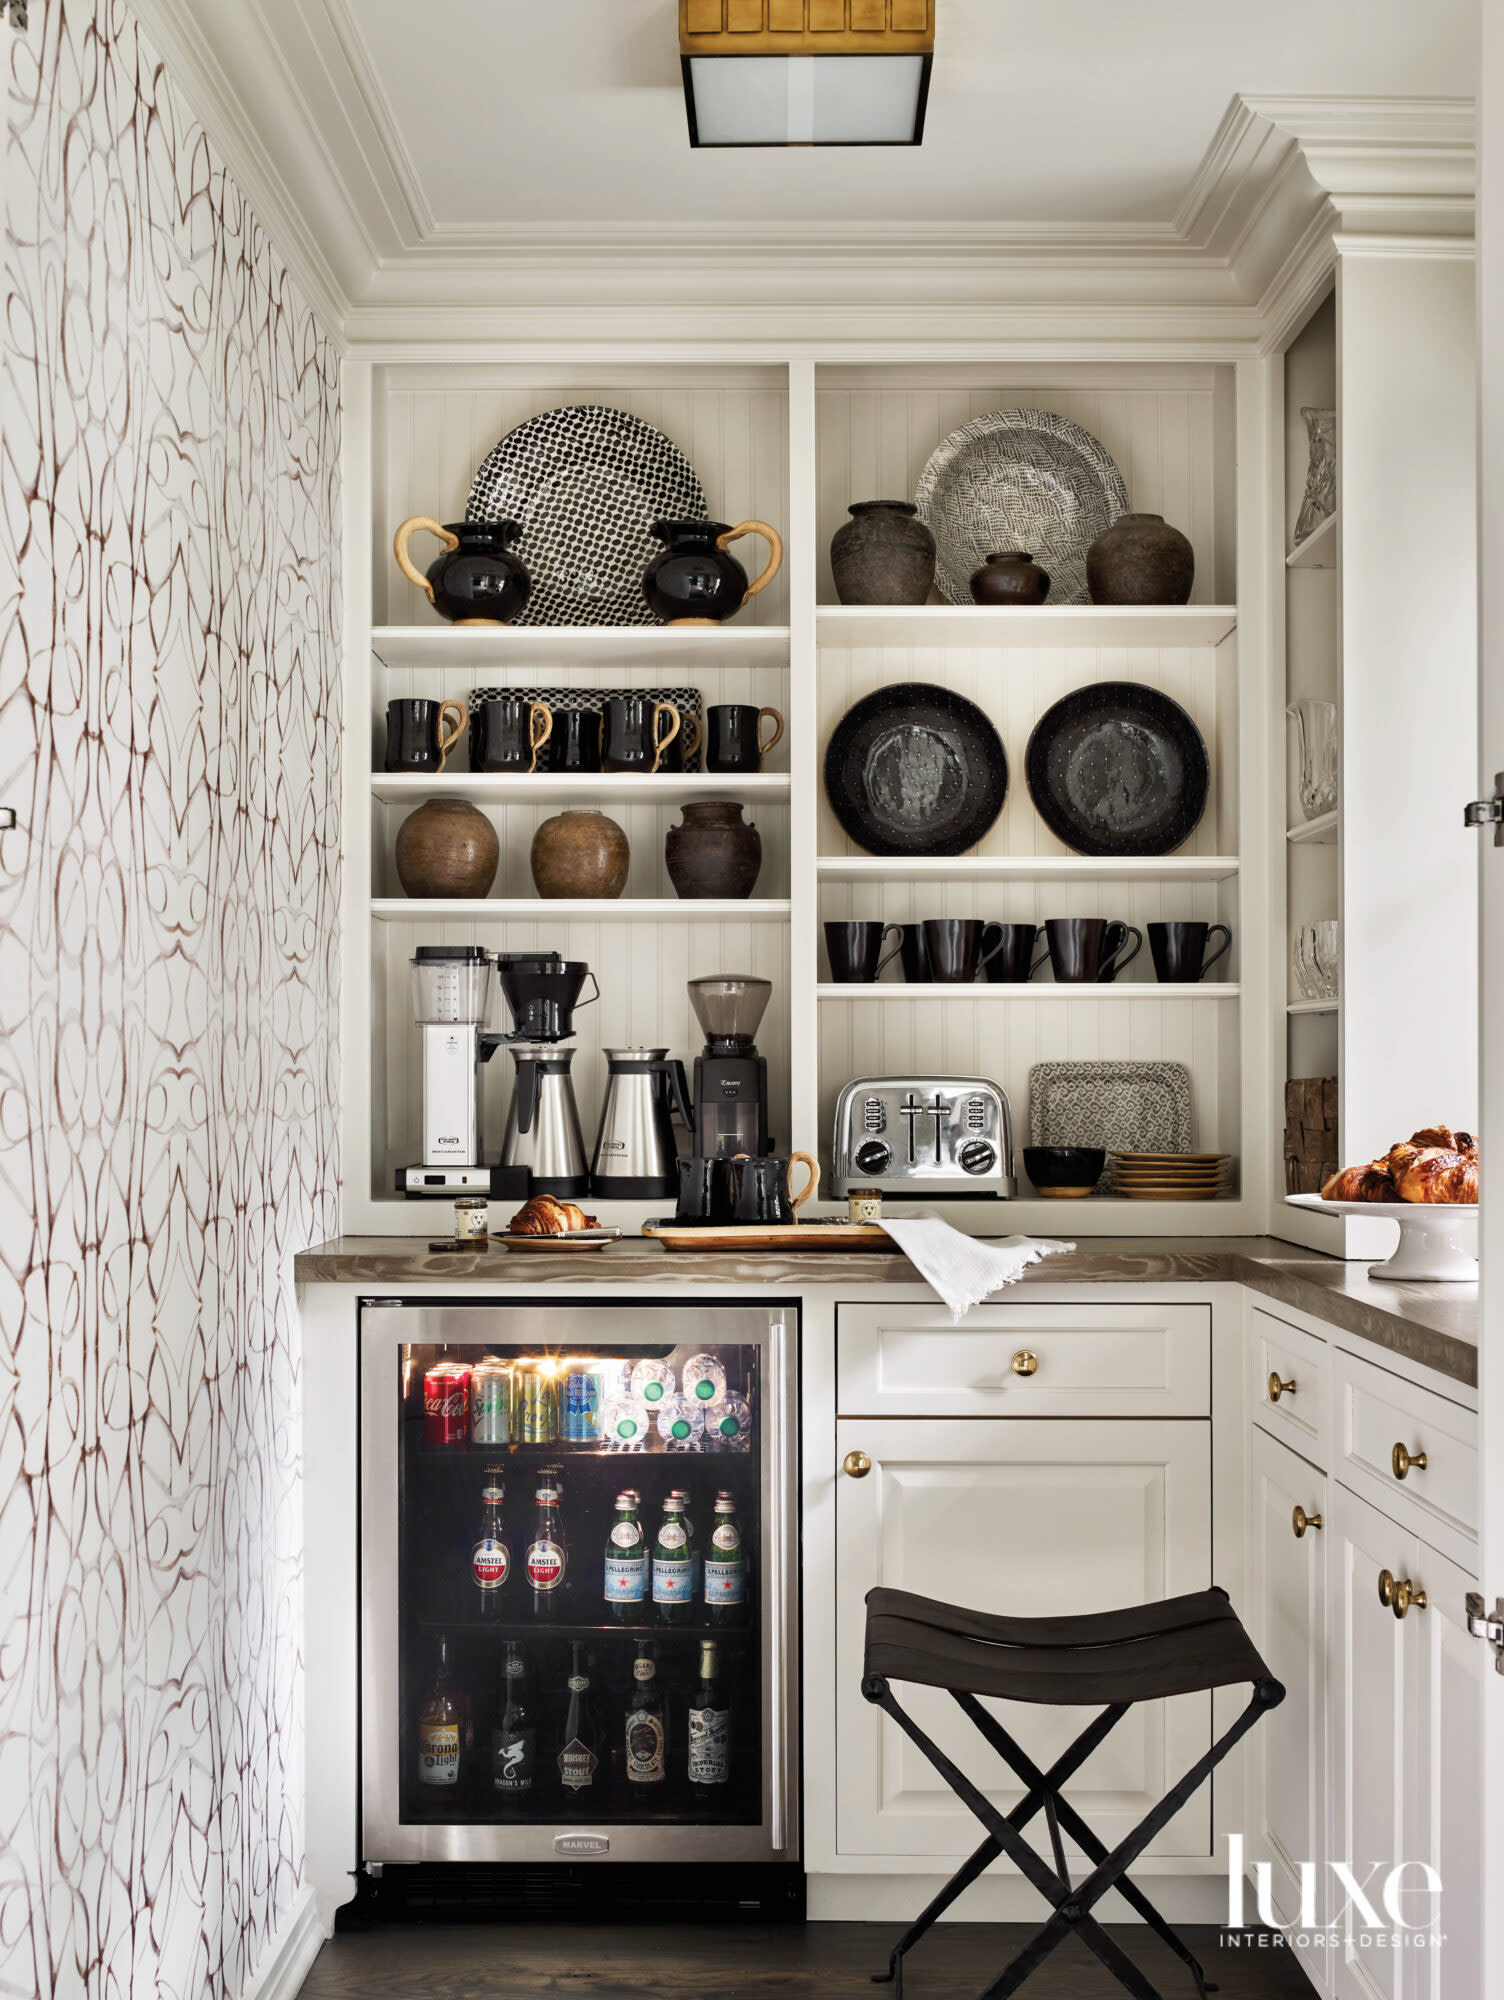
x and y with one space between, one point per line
697 581
883 555
477 580
1140 559
1010 578
715 852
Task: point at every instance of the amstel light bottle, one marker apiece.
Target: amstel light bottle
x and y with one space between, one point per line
546 1556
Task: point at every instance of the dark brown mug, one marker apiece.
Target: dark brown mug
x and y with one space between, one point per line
762 1186
1179 951
957 948
421 733
632 735
913 954
1014 962
855 951
507 731
1091 950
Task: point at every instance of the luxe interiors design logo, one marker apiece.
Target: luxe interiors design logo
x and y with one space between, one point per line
1396 1908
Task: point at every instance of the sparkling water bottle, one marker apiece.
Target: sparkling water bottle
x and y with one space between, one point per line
681 1423
652 1382
704 1379
624 1425
728 1425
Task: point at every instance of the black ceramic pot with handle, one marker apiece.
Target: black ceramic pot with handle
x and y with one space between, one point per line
477 580
697 581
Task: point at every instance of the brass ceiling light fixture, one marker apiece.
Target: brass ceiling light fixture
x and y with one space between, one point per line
806 72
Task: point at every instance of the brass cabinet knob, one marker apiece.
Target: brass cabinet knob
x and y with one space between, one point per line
1386 1589
1024 1363
857 1464
1403 1460
1406 1594
1300 1520
1278 1388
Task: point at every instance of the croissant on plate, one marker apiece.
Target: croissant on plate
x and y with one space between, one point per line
1437 1174
1369 1182
546 1215
1434 1165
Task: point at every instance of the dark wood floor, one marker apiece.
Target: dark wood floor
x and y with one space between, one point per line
792 1962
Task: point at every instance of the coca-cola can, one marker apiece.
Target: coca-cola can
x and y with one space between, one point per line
446 1403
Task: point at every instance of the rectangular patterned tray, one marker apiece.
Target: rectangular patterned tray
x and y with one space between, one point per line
1128 1107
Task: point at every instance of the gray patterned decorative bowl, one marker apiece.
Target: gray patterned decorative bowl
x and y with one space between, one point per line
1019 479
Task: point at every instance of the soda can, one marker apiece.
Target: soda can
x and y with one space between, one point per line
491 1402
582 1406
446 1403
538 1401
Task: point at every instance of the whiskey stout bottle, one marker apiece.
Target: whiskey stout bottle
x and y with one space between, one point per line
581 1749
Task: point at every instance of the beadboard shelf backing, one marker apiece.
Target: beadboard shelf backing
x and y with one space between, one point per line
645 822
493 652
434 424
642 969
1015 691
1168 428
1035 625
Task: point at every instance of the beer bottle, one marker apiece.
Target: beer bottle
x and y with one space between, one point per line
545 1555
709 1732
626 1564
439 1727
580 1746
514 1741
490 1559
671 1566
646 1730
725 1566
681 1494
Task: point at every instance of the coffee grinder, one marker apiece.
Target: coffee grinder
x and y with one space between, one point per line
731 1078
451 988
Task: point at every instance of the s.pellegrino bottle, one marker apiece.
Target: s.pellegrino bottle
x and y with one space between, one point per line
646 1730
439 1727
709 1731
626 1574
725 1565
546 1556
514 1740
580 1747
673 1571
681 1494
490 1559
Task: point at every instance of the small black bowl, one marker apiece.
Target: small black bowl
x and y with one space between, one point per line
1064 1173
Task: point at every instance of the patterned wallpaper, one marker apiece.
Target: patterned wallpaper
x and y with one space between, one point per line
169 711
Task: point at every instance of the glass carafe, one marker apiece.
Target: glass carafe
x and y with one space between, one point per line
451 984
1316 731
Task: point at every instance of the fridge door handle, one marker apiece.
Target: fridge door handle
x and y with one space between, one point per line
783 1499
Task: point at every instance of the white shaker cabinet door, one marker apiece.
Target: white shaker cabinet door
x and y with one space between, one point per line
1377 1758
1032 1518
1448 1699
1286 1620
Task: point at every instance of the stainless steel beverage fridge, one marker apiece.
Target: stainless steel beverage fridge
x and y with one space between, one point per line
578 1583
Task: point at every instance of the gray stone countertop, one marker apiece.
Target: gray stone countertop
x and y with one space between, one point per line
1433 1325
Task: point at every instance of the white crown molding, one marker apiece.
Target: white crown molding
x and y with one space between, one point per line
1286 183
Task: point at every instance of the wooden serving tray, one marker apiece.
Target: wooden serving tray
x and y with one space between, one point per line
771 1236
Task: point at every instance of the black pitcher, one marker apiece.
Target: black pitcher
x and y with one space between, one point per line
476 581
696 581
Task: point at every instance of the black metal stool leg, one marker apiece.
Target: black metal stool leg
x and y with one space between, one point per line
965 1875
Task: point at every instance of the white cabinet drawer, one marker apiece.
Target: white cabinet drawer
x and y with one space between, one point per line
1288 1384
1024 1360
1380 1420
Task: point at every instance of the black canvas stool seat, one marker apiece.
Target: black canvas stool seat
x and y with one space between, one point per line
1111 1659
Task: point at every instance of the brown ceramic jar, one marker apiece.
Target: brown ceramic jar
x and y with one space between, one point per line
1010 578
580 853
883 555
447 848
715 852
1140 559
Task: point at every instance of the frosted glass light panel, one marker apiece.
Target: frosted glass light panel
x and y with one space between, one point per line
849 100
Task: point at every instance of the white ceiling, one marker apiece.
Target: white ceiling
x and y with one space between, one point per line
499 113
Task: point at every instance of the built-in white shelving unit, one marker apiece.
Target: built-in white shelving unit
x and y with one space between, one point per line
792 439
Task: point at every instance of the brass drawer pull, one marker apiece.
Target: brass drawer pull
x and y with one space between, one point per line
1300 1520
1405 1594
1386 1589
1403 1461
856 1464
1278 1388
1024 1363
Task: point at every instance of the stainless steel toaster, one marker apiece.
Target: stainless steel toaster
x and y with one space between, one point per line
924 1135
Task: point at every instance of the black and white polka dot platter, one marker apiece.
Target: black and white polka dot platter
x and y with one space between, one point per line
586 482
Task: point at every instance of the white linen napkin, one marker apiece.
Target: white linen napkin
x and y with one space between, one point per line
962 1269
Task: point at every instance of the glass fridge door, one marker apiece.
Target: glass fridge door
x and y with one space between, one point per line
576 1567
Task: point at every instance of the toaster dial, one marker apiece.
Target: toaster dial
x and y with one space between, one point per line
977 1156
873 1157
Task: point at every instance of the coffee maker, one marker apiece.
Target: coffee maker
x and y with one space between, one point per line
543 1151
731 1078
451 989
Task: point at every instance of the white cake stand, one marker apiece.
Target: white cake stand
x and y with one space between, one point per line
1438 1242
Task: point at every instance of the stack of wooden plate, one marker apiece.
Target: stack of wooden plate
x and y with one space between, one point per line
1171 1176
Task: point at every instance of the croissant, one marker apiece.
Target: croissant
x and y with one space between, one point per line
1370 1182
1438 1174
546 1215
